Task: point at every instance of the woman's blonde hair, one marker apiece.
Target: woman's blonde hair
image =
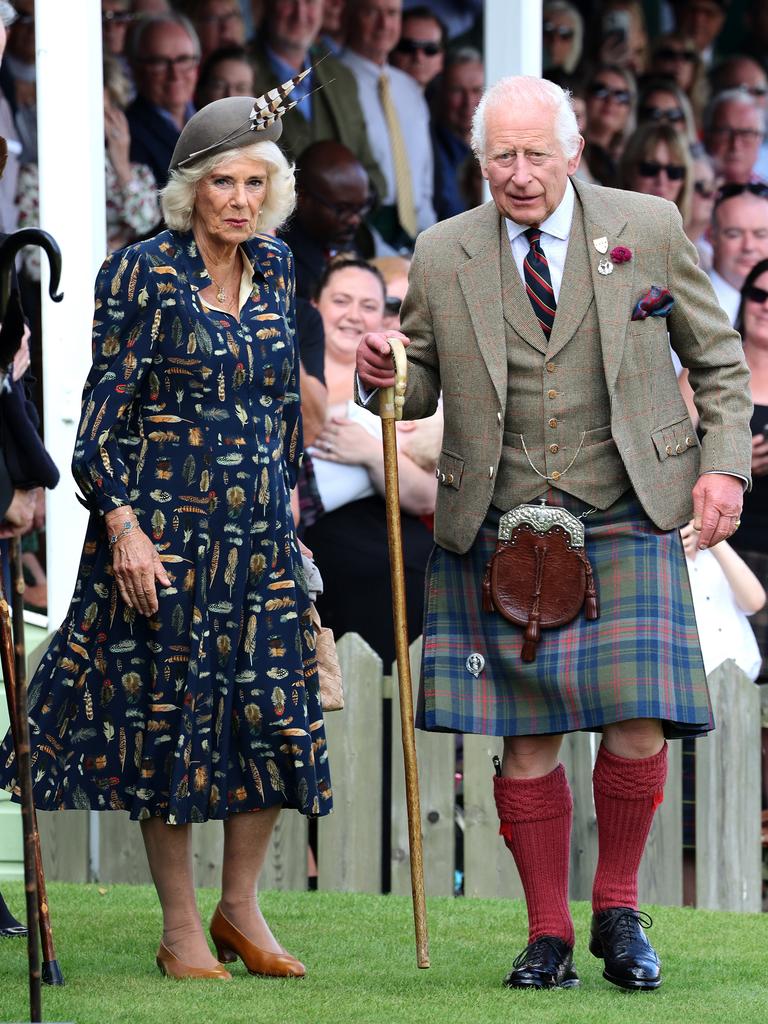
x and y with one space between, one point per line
642 144
177 199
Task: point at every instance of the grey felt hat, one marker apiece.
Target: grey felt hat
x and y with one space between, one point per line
232 123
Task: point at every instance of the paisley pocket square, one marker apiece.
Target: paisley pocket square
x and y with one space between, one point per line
656 302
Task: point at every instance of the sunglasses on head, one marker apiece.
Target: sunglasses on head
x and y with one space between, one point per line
410 47
755 294
563 31
735 189
705 189
392 305
651 168
601 91
673 114
669 54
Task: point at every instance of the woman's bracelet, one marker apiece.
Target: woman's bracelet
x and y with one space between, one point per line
128 525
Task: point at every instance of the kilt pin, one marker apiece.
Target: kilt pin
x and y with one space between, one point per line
580 410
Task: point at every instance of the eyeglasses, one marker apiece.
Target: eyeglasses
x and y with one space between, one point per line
410 47
705 189
166 64
220 19
344 211
758 91
601 91
735 189
672 114
676 55
392 305
652 168
117 17
731 135
755 294
563 31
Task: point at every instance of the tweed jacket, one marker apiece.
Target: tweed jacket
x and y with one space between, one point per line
453 315
336 112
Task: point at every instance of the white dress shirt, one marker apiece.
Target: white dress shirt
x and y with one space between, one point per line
555 231
728 296
413 114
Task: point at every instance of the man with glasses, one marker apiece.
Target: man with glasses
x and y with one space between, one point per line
329 107
458 185
703 21
745 74
164 57
739 235
218 23
332 199
734 128
421 47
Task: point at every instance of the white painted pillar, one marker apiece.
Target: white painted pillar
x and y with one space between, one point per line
70 127
512 38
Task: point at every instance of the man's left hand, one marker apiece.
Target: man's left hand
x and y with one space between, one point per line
717 501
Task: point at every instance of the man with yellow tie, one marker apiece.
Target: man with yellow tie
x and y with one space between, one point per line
397 120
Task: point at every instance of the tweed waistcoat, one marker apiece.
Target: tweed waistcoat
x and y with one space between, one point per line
557 397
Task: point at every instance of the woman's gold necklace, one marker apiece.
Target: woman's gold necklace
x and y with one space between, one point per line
221 291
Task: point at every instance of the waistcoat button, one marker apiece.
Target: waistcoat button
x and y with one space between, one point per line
551 393
553 422
556 475
554 448
550 367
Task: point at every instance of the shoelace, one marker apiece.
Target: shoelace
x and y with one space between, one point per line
534 954
627 921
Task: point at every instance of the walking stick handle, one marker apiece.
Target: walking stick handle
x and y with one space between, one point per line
392 398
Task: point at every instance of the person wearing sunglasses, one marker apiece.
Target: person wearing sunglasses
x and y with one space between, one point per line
739 236
611 96
662 101
420 51
748 76
734 128
563 36
656 162
164 57
703 197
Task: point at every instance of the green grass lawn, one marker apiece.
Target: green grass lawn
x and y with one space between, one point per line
361 966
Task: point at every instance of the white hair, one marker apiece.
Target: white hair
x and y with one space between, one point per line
177 199
524 91
743 99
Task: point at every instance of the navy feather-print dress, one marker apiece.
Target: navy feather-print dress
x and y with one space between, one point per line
210 707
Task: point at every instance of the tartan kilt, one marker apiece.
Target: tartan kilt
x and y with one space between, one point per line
640 659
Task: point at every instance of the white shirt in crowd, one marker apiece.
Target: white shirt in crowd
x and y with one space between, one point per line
413 113
728 296
724 629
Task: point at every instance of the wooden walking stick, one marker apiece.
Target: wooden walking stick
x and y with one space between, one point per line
391 409
14 665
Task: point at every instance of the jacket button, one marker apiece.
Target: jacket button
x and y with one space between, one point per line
553 422
449 478
550 367
498 417
442 478
554 448
551 393
437 474
680 449
690 442
490 472
556 475
668 449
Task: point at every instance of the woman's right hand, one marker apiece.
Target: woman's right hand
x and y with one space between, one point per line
136 566
759 455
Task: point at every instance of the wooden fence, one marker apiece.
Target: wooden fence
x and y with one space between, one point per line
460 825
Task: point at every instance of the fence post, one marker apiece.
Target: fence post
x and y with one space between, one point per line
661 869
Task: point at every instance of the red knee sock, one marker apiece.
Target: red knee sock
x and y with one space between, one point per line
535 817
627 793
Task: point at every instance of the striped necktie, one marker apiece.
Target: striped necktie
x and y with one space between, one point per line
538 283
406 212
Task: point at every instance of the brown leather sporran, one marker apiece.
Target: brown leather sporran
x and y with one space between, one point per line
539 576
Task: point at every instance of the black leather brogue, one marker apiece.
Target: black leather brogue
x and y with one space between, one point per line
545 963
617 937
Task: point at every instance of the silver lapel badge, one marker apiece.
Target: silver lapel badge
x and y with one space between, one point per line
475 664
605 267
601 244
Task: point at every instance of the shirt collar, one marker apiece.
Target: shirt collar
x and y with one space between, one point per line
357 60
557 224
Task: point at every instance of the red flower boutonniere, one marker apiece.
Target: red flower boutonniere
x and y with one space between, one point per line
621 254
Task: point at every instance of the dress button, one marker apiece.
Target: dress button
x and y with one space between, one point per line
550 367
680 449
554 448
551 393
553 422
668 449
556 475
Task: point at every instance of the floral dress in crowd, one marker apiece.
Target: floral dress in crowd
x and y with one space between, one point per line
211 706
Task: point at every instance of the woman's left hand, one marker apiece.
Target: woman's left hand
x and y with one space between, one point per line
22 360
343 440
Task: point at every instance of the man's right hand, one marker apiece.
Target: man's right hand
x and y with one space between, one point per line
374 359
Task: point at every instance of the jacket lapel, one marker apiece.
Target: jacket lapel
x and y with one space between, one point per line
613 292
480 282
576 289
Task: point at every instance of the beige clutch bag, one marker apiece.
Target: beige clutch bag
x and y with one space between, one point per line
328 668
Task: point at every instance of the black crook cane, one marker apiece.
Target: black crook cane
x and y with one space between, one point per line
14 663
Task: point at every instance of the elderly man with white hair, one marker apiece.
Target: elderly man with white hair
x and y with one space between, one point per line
568 464
734 128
